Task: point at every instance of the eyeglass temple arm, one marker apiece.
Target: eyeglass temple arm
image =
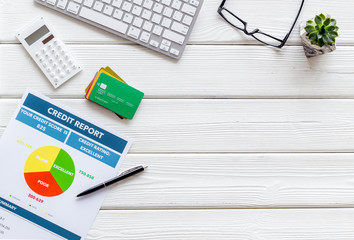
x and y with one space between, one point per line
291 29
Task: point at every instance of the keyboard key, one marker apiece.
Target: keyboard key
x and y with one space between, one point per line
62 4
187 20
137 10
156 18
167 12
180 28
154 43
148 4
147 26
166 22
176 4
98 6
157 30
108 10
166 42
166 2
177 16
158 8
88 3
73 7
134 32
117 3
189 9
52 2
174 37
118 14
194 3
145 36
127 6
78 1
138 2
164 47
128 18
146 14
138 22
103 20
107 1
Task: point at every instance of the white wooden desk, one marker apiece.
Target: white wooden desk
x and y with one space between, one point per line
242 141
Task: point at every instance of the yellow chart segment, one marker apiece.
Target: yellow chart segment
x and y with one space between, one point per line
42 159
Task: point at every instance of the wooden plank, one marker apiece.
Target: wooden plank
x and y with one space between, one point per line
236 181
301 224
275 16
204 72
167 126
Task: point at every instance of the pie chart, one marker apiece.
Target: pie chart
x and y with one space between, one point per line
49 171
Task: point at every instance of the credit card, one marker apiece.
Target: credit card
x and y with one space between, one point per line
115 95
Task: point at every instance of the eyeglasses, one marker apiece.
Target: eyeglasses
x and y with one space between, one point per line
256 33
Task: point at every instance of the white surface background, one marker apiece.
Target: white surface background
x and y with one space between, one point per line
242 141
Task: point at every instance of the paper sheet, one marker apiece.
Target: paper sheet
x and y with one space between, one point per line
49 155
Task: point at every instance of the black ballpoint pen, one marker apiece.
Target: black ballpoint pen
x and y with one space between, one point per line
123 175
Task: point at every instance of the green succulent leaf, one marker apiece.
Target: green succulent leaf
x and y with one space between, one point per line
333 34
311 23
327 22
313 36
318 20
310 29
326 39
321 42
332 22
331 28
322 31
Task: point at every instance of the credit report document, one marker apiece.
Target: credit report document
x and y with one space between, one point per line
49 154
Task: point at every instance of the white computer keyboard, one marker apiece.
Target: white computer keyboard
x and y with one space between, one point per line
161 25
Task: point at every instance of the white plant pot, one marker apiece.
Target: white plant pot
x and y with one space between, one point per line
310 49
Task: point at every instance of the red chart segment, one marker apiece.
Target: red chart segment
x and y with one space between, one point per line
43 183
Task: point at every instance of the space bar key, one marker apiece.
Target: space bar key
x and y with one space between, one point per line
103 20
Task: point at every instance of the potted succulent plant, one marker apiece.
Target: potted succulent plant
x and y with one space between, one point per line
318 35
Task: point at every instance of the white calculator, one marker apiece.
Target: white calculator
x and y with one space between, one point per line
50 53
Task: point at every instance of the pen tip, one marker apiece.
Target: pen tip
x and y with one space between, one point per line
145 167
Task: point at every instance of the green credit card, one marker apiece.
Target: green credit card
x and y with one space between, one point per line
116 96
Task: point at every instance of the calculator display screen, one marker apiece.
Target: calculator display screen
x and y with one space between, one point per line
35 36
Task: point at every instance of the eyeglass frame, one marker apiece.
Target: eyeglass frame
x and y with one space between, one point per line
282 42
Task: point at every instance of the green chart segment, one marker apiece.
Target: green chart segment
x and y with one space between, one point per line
49 171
